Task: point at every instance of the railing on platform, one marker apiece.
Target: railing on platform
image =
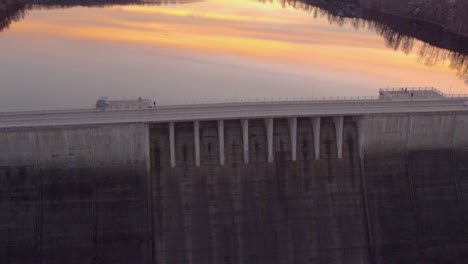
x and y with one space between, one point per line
412 89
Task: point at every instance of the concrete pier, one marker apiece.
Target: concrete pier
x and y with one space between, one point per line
316 126
338 120
269 128
172 143
293 134
221 142
196 133
245 139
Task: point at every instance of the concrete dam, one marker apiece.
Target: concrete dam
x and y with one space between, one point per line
380 180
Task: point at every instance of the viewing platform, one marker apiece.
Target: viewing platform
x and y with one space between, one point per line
405 93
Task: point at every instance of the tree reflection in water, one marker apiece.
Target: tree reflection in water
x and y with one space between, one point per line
399 33
11 12
14 10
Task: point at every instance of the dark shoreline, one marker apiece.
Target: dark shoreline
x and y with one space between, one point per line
398 31
451 16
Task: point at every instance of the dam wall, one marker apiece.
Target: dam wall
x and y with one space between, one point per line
416 177
74 195
377 188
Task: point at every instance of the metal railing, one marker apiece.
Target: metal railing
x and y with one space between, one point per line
284 99
432 89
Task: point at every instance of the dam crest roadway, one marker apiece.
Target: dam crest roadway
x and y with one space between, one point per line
391 100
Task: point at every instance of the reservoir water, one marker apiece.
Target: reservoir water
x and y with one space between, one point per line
65 54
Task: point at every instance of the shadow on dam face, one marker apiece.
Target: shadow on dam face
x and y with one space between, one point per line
108 194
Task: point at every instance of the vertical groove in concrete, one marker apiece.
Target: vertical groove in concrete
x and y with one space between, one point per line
221 142
293 135
196 134
245 139
455 182
39 202
361 137
149 190
411 182
93 196
368 218
338 120
269 128
461 186
316 128
172 143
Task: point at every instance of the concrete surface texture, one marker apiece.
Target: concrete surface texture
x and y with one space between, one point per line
74 195
108 193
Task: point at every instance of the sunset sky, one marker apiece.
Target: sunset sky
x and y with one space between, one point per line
219 49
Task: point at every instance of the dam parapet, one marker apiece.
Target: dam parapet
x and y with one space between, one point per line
335 181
